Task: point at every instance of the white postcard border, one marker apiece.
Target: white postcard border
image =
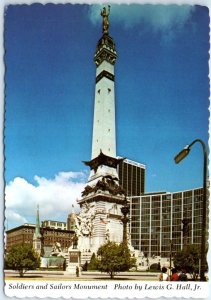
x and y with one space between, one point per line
42 289
105 289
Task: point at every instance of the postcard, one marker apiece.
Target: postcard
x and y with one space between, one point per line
106 145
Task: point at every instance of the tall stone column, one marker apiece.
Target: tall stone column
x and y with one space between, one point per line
100 215
104 124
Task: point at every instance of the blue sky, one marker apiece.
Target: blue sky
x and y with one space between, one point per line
162 95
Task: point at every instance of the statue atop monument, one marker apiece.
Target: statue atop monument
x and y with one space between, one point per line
105 13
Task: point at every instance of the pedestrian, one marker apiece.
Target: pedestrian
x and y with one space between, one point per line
64 265
163 275
174 276
77 271
183 275
159 266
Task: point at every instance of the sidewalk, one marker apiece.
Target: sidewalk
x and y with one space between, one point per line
87 276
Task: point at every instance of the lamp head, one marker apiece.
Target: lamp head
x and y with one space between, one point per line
182 154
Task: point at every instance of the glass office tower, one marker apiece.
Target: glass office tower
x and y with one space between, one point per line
161 223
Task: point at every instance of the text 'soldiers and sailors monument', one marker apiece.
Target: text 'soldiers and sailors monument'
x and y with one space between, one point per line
100 214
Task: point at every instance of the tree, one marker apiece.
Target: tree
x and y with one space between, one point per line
114 258
22 258
188 259
93 265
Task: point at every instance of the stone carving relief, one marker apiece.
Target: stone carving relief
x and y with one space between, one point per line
57 250
107 235
84 221
113 210
107 184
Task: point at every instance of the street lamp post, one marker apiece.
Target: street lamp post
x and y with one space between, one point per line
179 157
125 210
170 255
185 231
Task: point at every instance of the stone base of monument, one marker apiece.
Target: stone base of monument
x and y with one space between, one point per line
72 269
85 257
73 266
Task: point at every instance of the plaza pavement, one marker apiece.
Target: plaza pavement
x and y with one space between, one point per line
85 276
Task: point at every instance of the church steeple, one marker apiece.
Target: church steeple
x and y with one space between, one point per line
37 235
37 229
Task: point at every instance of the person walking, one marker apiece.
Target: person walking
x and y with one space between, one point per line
163 275
183 275
174 276
77 271
159 266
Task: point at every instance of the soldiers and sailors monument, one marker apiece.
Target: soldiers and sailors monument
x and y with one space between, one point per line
100 217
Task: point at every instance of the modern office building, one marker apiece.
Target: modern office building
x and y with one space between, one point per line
132 177
162 223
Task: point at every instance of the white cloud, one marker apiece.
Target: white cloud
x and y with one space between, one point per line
15 217
54 196
156 17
